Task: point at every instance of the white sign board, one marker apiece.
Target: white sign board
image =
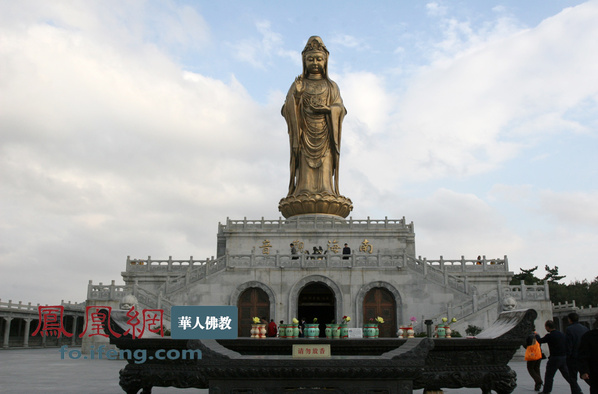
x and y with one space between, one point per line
355 332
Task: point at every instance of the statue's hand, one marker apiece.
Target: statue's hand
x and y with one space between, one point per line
299 84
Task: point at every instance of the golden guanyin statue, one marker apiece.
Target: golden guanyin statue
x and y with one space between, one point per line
314 113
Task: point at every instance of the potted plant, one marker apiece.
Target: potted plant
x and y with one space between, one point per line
344 330
312 330
447 327
410 331
258 329
371 328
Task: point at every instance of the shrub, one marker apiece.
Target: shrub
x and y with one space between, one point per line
472 331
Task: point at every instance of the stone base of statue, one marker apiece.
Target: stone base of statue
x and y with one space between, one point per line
308 204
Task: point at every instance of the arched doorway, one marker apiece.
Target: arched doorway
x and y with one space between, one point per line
380 302
316 300
252 302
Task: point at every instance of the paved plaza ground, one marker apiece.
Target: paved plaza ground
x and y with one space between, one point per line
24 371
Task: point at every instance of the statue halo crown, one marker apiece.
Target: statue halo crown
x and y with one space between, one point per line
315 44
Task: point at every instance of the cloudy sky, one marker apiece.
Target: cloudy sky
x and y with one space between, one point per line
133 128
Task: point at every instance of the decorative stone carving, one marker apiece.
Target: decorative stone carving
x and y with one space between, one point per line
128 301
508 304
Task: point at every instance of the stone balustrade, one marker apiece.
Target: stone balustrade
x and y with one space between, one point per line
166 265
114 292
285 260
317 222
470 265
18 306
310 261
105 292
527 292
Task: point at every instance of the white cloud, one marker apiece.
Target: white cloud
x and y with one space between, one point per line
435 9
106 151
370 102
570 209
454 224
468 115
349 41
259 52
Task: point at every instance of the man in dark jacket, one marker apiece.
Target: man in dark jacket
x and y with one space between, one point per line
588 358
557 344
574 332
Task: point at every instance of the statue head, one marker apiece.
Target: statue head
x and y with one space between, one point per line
315 57
508 304
128 301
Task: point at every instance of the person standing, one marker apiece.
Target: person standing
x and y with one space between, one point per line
272 328
557 344
533 356
574 332
588 358
302 328
346 252
294 252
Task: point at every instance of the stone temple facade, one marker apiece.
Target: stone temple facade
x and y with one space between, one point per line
255 270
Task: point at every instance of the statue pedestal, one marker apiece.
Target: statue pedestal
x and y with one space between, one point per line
307 204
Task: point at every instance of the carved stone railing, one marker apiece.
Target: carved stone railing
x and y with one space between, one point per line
316 222
102 292
375 260
114 292
163 265
480 301
152 300
470 265
471 306
435 274
20 307
192 275
527 292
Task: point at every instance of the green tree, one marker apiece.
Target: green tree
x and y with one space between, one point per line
552 274
584 293
527 276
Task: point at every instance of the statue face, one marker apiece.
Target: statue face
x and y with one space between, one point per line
315 62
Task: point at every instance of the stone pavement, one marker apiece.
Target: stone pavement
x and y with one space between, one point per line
43 371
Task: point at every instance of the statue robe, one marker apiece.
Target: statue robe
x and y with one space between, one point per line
314 137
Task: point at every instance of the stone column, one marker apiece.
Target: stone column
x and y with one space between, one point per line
26 337
6 332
